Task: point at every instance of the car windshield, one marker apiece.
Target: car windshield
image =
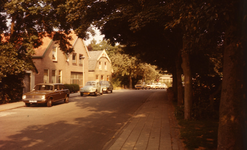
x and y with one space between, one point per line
43 87
90 83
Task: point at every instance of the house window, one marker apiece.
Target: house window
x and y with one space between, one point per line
60 76
97 77
46 76
53 77
100 67
107 78
105 66
54 53
74 59
102 77
76 78
81 59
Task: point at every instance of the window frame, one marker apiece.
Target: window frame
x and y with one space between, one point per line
100 65
44 81
54 53
53 76
60 76
74 61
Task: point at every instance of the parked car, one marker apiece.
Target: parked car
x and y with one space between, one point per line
106 86
91 87
140 85
158 85
163 86
46 93
150 86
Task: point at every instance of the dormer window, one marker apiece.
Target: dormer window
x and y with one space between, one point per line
54 53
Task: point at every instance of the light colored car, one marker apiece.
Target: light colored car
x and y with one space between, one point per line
163 86
106 86
158 85
91 87
140 85
150 86
46 93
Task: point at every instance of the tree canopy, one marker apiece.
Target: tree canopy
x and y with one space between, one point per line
125 65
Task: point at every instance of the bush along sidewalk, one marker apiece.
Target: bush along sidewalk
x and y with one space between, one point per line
73 88
197 133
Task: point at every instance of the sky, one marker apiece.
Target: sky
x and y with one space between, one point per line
98 37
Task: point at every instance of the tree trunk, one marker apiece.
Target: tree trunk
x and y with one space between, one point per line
187 82
179 81
174 82
130 79
231 115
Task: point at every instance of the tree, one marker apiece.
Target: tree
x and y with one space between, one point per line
134 22
30 22
126 65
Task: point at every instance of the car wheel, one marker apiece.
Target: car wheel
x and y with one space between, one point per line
49 103
96 93
66 100
111 91
27 104
81 94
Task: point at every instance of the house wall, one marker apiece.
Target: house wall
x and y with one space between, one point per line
101 72
62 63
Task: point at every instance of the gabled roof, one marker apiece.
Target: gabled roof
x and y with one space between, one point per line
94 57
47 41
40 51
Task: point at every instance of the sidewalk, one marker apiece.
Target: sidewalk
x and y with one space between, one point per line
151 128
14 105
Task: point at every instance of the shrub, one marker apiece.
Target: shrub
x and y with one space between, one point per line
11 88
73 88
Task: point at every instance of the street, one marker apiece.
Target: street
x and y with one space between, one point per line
87 122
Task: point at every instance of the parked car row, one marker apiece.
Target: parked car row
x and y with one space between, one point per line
150 86
96 87
48 93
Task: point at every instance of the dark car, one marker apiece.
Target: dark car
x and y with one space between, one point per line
46 93
106 86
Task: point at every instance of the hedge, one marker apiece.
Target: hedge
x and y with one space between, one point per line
73 88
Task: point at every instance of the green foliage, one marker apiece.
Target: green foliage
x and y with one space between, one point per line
11 88
73 88
30 21
125 65
203 87
116 82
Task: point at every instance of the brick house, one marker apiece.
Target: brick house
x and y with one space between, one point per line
54 66
99 66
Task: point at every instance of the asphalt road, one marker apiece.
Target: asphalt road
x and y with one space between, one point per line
85 123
